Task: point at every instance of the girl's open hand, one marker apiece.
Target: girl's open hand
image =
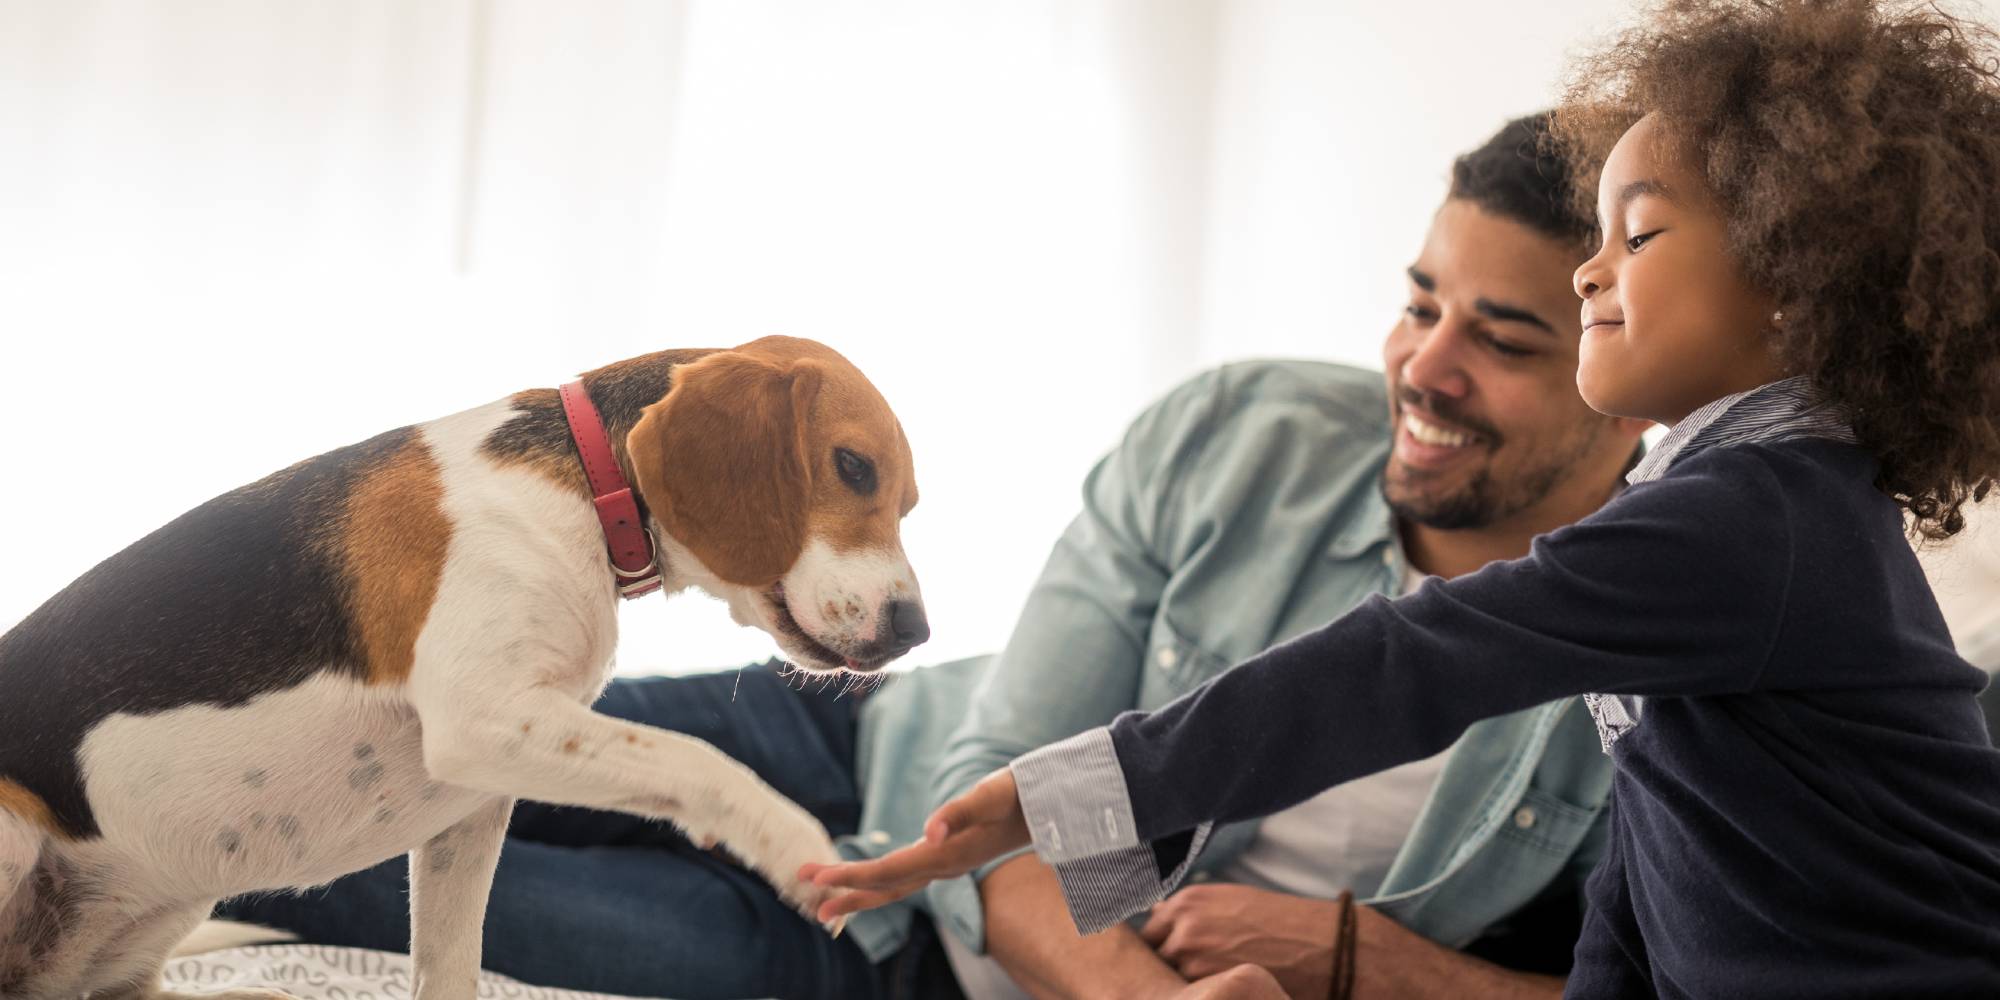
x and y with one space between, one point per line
963 834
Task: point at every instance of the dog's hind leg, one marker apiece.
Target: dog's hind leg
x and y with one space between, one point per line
450 879
129 967
20 846
20 856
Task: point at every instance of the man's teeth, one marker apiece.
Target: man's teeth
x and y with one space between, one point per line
1432 434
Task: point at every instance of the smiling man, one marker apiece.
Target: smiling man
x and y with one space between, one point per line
1249 505
1261 500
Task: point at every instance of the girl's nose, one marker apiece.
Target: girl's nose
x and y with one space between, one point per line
1588 279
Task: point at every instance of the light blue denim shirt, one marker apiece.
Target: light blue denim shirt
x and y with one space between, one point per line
1241 510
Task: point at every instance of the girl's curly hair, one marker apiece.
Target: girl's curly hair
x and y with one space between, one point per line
1854 147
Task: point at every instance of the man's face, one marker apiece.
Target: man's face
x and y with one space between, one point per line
1482 375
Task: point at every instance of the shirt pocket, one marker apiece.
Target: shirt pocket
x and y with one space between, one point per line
1547 824
1175 664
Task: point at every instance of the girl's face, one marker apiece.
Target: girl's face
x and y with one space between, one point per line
1668 323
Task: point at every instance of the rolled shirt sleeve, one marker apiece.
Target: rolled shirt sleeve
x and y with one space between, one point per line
1073 796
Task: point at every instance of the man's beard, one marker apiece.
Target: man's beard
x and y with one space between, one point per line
1477 504
1484 500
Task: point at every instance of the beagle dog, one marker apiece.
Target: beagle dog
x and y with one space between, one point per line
378 650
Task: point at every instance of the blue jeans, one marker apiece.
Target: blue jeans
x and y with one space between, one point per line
605 901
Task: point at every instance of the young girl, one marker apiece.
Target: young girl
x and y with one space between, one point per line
1800 274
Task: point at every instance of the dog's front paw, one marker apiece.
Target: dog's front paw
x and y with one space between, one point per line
779 841
806 897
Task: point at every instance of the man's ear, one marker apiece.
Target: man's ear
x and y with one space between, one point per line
722 462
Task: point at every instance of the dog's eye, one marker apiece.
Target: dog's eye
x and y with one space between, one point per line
857 472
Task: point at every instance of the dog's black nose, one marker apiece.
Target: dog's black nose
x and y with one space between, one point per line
907 626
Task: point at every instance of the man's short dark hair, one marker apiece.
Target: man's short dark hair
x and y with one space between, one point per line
1519 175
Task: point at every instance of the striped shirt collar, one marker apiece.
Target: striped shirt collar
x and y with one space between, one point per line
1777 411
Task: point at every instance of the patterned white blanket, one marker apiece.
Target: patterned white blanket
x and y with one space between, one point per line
317 972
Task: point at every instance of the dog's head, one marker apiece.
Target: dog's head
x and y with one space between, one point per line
783 476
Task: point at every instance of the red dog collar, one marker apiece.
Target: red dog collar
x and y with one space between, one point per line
632 558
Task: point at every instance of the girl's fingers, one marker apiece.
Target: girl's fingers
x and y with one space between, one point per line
854 902
938 827
917 862
960 814
959 836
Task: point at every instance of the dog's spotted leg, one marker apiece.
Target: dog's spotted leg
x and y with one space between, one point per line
543 746
450 878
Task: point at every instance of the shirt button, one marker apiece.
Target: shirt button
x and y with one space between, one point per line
879 838
1389 556
1524 817
1166 658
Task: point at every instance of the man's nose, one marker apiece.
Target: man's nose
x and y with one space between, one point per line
1433 366
907 627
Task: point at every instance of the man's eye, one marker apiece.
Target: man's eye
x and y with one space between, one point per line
1506 349
1420 314
857 472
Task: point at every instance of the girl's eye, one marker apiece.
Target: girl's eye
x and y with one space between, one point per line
1632 245
1505 349
1420 314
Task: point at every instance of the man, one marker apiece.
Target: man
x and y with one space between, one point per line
1249 505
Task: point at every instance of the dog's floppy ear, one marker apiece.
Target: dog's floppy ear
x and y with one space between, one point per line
722 462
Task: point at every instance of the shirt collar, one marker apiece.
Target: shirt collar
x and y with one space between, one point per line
1776 411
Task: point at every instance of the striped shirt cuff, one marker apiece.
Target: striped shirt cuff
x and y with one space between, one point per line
1078 811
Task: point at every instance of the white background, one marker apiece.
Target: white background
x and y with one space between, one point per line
236 233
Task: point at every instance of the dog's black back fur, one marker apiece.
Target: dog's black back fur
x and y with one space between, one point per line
238 597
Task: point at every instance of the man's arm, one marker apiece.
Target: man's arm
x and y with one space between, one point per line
1207 929
1075 660
1076 655
1028 931
1391 960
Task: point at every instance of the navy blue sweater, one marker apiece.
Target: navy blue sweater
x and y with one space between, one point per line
1806 802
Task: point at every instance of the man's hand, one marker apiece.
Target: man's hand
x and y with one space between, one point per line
963 834
1205 930
1244 982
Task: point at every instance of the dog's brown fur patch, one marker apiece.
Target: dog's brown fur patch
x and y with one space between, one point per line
30 807
394 546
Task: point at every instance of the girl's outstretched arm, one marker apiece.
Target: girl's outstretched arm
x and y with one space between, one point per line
1677 587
